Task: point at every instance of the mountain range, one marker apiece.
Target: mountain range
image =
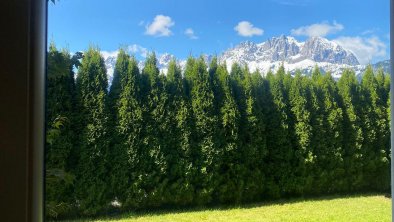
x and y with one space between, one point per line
271 54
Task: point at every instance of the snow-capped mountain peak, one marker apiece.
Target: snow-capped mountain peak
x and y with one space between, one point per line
288 49
328 55
164 59
269 55
322 50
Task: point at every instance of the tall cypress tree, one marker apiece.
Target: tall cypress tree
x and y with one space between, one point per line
254 136
190 76
228 164
318 138
383 81
154 165
179 139
128 153
215 83
349 90
237 77
59 104
330 157
374 122
279 167
298 96
60 118
118 83
202 98
125 125
92 185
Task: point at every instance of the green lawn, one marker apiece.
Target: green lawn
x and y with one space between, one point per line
353 208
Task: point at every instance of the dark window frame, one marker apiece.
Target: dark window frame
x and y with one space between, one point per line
22 97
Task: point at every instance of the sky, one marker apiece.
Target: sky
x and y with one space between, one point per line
184 27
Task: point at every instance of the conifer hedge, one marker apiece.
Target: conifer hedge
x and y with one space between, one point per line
206 136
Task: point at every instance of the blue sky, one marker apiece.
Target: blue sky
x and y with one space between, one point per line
183 27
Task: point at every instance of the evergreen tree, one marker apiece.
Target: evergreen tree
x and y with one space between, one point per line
383 80
125 155
155 167
298 96
330 155
229 162
92 179
189 76
202 98
179 139
254 138
349 90
279 170
118 166
318 138
129 128
118 83
215 83
374 120
59 123
237 76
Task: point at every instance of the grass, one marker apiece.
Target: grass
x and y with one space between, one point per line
350 208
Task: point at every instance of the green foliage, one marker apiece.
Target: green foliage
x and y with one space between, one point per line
207 135
152 179
60 137
280 148
301 121
349 90
92 188
330 152
127 123
179 140
375 130
206 130
228 165
56 179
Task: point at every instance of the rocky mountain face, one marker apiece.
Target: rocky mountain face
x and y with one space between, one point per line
110 62
321 50
271 54
286 50
385 65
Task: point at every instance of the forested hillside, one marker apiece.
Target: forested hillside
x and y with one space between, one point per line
206 136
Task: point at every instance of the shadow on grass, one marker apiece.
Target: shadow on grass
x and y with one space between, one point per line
193 209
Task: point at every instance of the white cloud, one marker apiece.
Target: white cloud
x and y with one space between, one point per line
368 32
190 33
132 49
141 23
365 49
107 54
318 29
247 29
160 26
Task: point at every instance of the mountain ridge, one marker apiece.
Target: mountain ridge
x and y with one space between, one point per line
269 55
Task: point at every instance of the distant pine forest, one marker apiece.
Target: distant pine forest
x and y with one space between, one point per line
206 136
